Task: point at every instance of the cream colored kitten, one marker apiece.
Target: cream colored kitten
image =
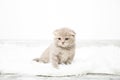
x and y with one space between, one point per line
62 50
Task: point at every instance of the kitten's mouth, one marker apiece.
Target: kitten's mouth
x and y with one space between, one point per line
63 45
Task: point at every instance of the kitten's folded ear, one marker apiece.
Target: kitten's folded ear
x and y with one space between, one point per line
72 33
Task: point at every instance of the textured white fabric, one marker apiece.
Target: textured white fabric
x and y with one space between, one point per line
92 59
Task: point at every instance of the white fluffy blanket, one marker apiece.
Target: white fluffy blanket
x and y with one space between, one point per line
92 59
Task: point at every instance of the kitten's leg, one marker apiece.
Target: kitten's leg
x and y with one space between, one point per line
55 61
70 59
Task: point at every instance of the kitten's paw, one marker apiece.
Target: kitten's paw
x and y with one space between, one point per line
67 62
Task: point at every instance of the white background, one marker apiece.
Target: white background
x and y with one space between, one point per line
37 19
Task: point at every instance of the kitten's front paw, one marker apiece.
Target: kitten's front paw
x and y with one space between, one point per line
68 62
36 59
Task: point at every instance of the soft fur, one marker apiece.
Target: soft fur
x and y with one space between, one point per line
62 50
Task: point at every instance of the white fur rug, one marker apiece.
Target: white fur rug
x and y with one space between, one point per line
92 59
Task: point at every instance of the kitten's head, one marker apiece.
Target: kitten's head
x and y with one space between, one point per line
64 37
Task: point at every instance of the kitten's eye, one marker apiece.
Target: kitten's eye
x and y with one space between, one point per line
66 38
59 38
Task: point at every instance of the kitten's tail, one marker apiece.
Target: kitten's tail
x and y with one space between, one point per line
41 60
36 59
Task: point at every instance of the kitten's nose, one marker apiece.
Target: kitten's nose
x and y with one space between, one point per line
62 42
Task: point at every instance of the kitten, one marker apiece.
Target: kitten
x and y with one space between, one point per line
62 50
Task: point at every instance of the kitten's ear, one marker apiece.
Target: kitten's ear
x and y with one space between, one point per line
72 33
